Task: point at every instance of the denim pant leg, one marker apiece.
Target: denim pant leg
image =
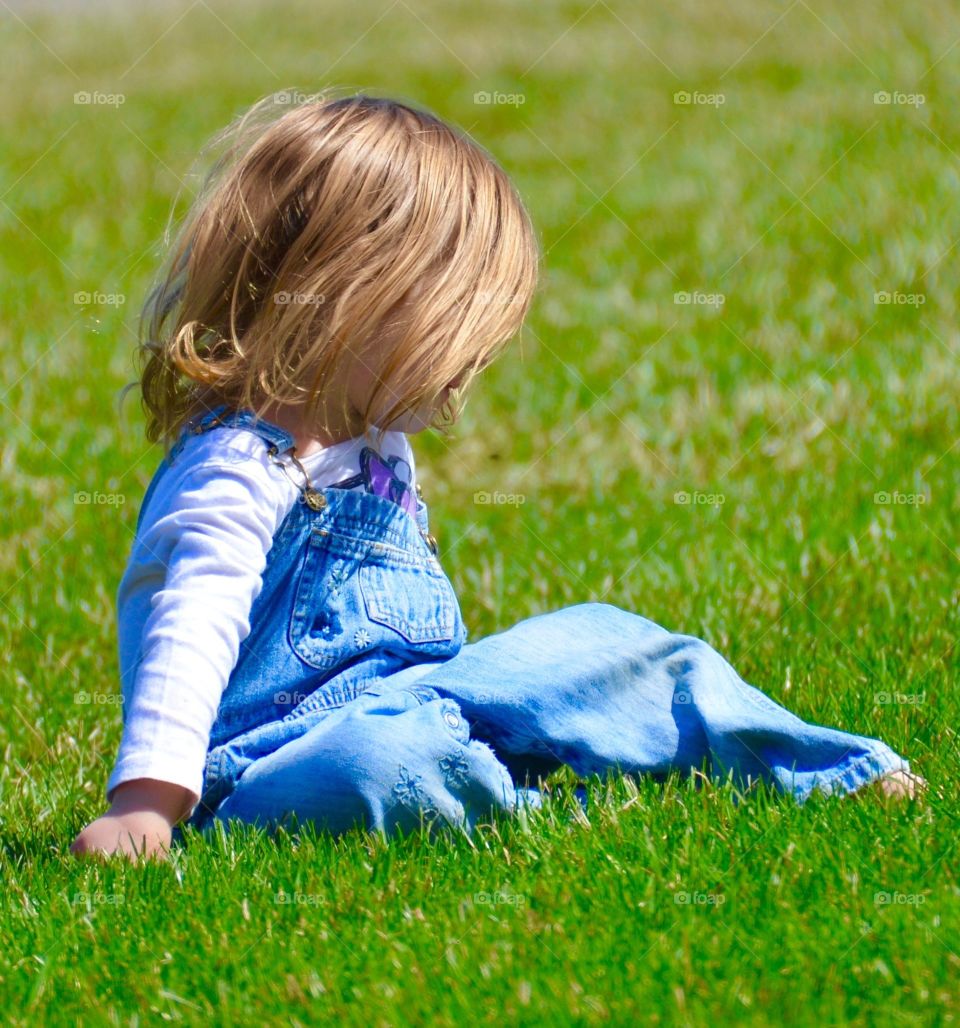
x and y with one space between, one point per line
395 754
591 685
597 687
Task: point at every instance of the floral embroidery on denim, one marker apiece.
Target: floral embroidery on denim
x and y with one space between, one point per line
455 768
338 575
362 638
409 791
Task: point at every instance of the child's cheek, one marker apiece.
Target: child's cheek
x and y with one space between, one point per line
416 420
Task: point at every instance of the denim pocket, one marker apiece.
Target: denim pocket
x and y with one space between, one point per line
355 596
415 600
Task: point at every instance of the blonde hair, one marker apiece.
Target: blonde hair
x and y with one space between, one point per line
338 224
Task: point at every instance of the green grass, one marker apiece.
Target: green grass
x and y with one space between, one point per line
797 400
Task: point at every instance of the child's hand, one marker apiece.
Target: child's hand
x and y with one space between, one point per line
139 822
143 832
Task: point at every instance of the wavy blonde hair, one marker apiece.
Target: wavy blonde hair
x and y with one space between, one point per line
341 223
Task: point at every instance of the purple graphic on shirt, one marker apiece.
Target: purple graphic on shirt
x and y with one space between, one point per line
390 477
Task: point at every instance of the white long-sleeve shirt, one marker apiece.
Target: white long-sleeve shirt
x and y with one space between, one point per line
183 603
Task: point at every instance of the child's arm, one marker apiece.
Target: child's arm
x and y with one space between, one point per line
184 606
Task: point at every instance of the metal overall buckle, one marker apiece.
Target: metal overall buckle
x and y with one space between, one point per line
311 497
431 539
315 500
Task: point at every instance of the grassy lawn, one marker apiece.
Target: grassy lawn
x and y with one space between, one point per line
733 410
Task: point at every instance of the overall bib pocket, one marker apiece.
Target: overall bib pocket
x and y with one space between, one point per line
415 600
356 595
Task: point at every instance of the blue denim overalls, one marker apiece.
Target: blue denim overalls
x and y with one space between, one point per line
356 700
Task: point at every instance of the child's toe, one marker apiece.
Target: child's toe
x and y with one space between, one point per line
896 785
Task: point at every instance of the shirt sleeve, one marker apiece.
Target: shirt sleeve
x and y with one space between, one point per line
210 531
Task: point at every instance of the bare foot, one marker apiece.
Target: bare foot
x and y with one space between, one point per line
895 785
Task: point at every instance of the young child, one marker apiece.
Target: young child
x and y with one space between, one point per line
289 642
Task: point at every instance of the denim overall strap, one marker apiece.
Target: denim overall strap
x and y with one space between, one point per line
272 435
277 440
